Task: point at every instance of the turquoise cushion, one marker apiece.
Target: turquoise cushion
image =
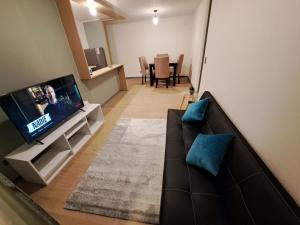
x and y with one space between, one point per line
195 112
208 151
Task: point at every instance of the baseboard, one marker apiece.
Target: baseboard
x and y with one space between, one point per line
133 77
182 76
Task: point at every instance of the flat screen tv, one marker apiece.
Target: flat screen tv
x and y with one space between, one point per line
37 109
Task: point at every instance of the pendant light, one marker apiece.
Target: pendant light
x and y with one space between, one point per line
155 19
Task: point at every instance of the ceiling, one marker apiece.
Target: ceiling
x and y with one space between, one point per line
143 9
140 9
81 12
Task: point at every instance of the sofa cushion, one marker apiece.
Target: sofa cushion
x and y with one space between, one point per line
208 151
174 136
178 180
191 131
176 208
195 112
209 209
201 181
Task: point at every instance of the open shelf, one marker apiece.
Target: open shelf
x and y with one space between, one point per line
77 141
95 125
94 119
41 163
51 160
75 128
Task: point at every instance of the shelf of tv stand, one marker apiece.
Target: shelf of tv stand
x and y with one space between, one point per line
75 128
78 140
94 125
40 163
50 161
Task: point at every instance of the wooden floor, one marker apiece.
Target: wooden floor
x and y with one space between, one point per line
140 101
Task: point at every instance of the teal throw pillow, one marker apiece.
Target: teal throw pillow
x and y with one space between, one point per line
208 151
195 112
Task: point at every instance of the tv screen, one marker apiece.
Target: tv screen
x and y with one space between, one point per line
35 110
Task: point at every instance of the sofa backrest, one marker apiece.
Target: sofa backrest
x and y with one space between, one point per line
252 195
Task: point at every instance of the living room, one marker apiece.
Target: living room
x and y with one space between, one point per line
123 155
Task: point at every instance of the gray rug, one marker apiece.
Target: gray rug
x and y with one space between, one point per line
125 179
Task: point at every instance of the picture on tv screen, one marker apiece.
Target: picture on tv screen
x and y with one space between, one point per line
36 109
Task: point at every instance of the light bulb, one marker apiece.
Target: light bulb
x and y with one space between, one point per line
91 4
155 20
93 10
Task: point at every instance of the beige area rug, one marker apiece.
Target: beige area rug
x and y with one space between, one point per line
125 179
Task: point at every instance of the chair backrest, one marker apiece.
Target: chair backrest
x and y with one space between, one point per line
162 69
190 72
162 55
146 65
142 66
179 64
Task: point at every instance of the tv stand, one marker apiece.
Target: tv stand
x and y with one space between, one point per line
41 163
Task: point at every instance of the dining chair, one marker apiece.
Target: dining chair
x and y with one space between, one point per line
162 70
145 63
143 71
190 72
162 55
179 67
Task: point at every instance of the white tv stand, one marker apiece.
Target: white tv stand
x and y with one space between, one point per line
40 163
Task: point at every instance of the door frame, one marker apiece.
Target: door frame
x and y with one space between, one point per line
205 42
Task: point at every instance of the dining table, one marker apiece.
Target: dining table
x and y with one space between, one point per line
152 75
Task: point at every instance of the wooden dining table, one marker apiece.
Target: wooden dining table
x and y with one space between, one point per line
152 76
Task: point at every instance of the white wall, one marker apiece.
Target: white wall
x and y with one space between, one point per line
253 70
130 40
82 35
94 34
198 36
